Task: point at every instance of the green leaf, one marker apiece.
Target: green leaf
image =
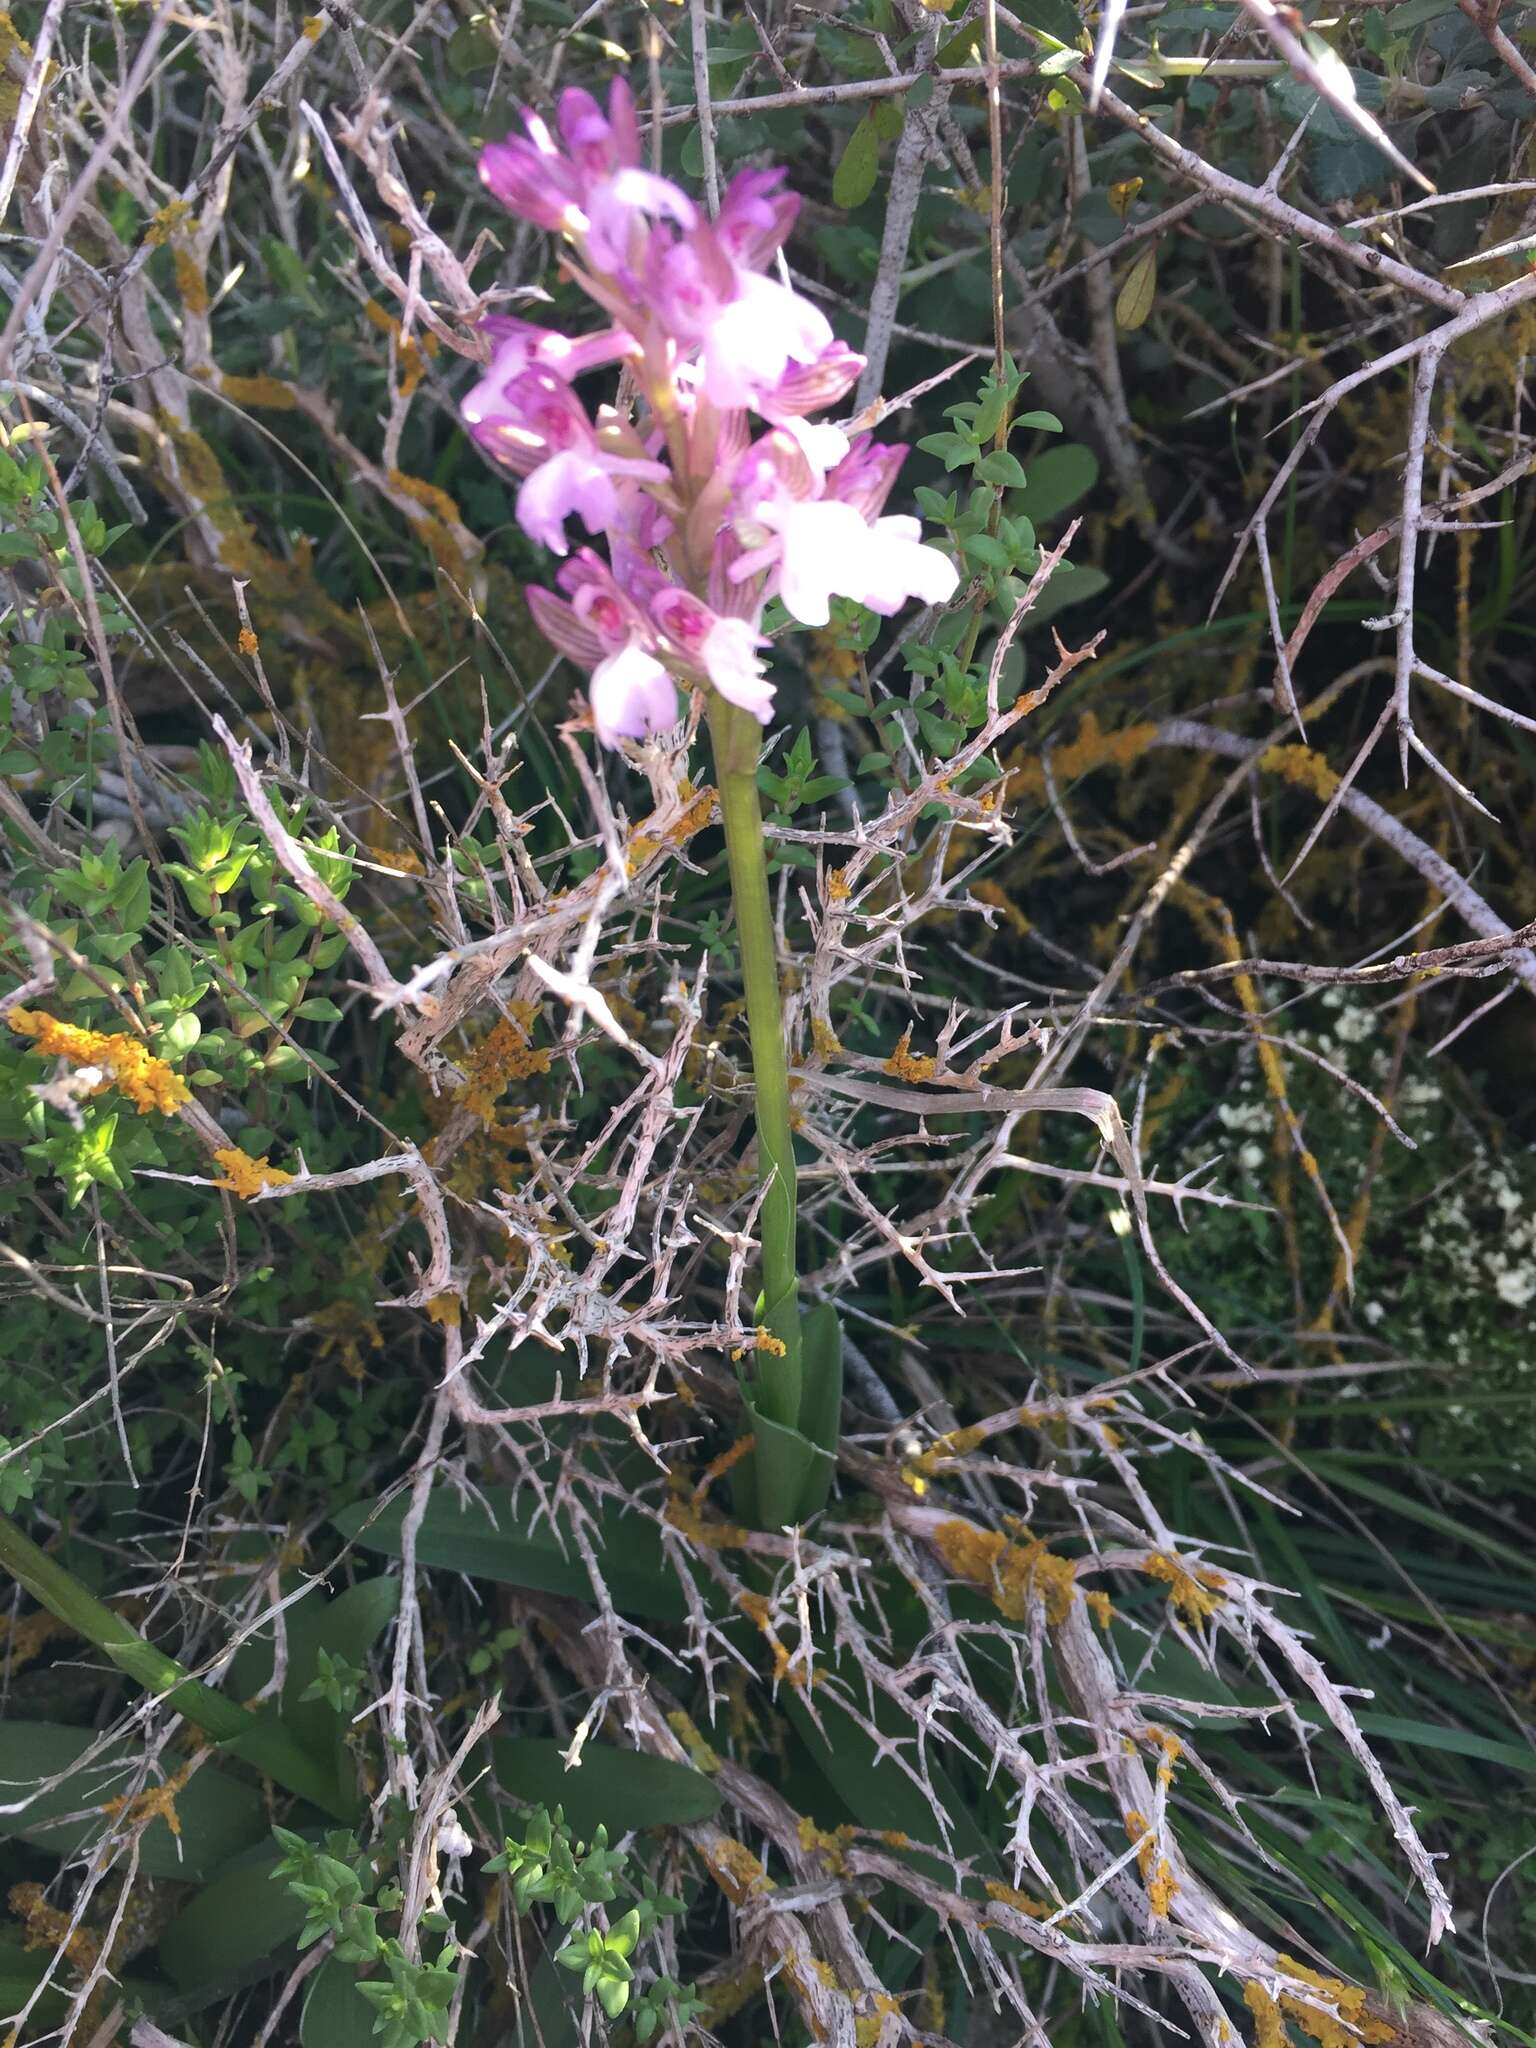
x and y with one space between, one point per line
999 467
1073 583
487 1539
858 167
1138 294
1058 477
793 1475
618 1789
219 1815
336 2014
240 1919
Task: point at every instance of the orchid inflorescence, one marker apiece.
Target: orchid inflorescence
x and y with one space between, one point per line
704 522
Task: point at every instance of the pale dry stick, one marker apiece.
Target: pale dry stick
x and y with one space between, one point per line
1485 19
1426 370
704 111
918 141
1473 313
64 218
384 988
31 93
298 55
402 1776
437 1796
1458 892
1332 84
852 91
1303 228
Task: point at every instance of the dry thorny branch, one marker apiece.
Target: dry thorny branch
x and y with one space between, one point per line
599 959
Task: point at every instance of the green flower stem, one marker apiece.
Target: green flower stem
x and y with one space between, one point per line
737 737
259 1740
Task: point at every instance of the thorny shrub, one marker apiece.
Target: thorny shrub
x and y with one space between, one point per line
378 1179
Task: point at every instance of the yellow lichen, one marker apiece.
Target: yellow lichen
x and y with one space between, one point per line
702 1757
766 1341
248 642
271 393
1007 1895
400 861
504 1055
1101 1608
831 1842
167 222
49 1926
838 890
824 1039
684 1512
190 282
866 2027
1136 1830
245 1176
1268 2026
736 1870
1195 1593
1299 765
1161 1886
126 1062
157 1802
907 1065
432 496
1014 1574
1354 2023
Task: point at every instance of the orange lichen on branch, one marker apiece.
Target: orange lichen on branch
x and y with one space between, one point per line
505 1054
736 1870
158 1802
1013 1573
700 1754
833 1843
48 1926
27 1636
684 1512
245 1176
1268 2026
917 1472
412 354
1138 1830
1101 1607
1299 765
127 1063
1021 1902
432 496
1161 1886
907 1065
867 2027
1092 748
1197 1592
1353 2023
190 281
270 393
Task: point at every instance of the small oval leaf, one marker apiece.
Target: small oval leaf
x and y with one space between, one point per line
858 167
1138 293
